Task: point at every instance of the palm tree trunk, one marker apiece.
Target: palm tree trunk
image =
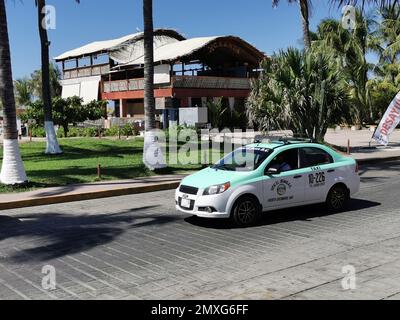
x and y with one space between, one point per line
12 170
149 104
152 154
305 13
52 143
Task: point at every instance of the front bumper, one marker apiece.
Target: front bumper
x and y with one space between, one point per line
203 214
199 203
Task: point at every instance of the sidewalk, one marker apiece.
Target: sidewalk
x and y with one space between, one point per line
78 192
362 148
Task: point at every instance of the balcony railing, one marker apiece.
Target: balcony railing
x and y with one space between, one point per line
86 71
180 82
123 85
210 82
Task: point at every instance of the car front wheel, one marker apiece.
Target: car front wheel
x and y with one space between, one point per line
245 211
337 198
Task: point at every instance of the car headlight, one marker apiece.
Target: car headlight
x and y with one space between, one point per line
217 189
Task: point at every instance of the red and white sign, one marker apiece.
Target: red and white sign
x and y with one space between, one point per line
389 122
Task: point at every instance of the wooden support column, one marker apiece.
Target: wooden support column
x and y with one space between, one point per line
231 103
121 108
171 71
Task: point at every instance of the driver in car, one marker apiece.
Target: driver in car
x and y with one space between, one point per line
280 164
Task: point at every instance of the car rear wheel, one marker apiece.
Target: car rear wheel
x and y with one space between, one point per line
245 211
337 198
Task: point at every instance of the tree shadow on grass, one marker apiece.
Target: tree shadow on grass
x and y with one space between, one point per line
75 152
76 174
304 213
55 235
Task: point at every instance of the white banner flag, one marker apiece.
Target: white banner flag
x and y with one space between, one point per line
389 122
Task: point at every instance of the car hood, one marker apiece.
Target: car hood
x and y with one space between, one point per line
209 177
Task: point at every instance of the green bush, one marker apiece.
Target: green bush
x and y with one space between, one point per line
78 132
90 132
60 133
75 132
112 132
38 132
178 129
129 130
126 130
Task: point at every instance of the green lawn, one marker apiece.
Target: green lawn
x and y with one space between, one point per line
119 159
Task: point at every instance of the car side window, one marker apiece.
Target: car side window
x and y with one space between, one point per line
311 157
285 161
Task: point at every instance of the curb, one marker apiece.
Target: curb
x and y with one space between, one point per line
88 195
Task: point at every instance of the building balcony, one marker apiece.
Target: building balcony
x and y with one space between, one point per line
96 70
123 85
200 82
184 82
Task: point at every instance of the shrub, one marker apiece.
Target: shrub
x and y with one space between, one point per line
60 133
178 129
90 132
129 129
38 132
75 132
111 132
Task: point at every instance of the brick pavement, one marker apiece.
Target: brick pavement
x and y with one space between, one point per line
139 247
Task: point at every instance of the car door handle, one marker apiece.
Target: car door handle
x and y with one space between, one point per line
331 170
297 177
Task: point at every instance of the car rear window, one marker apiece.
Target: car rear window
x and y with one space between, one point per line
311 157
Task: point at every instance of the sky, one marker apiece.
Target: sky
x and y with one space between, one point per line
267 28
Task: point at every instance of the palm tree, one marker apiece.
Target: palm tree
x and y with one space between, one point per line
388 33
55 86
52 146
23 92
305 10
12 170
152 155
350 48
303 91
149 103
362 3
216 112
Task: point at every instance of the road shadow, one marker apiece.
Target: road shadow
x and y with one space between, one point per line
55 235
374 179
304 213
386 165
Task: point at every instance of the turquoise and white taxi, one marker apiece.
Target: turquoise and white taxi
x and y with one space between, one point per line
267 176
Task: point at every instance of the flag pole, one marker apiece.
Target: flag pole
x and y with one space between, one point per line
373 134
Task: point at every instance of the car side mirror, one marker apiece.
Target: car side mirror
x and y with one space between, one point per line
272 171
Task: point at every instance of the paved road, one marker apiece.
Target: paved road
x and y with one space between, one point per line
138 247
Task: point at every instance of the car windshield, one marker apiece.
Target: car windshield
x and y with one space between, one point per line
243 159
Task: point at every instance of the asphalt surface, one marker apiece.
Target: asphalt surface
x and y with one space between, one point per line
139 247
